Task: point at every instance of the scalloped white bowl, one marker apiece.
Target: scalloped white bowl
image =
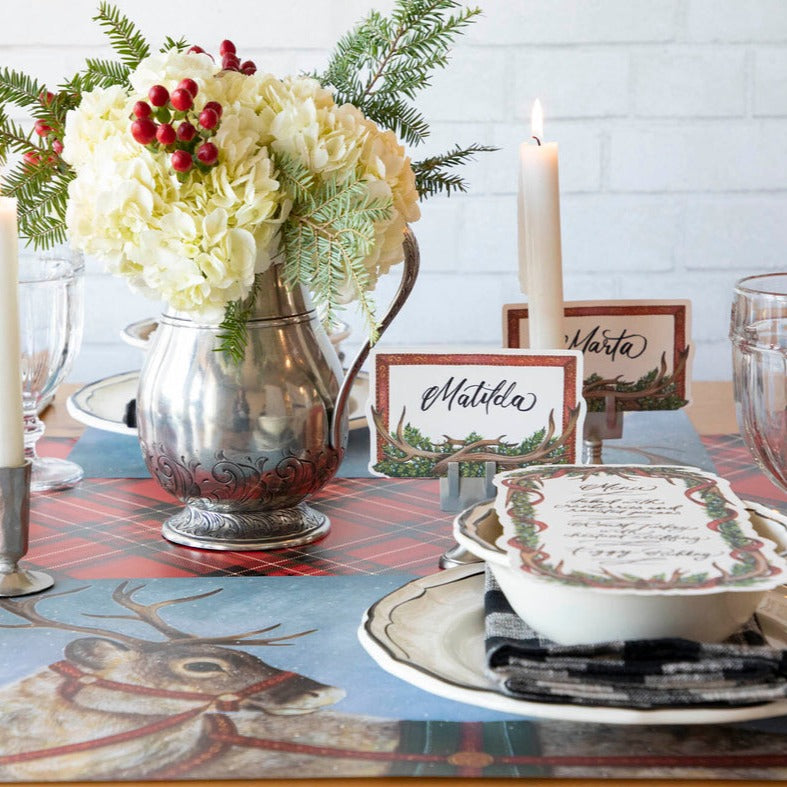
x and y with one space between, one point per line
582 616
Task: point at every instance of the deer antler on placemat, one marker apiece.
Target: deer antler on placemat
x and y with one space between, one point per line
455 450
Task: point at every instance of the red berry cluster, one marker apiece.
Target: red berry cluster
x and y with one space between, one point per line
180 129
43 129
229 58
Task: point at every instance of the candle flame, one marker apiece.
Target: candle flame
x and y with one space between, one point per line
537 121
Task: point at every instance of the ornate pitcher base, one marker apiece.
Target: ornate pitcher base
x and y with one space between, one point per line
286 527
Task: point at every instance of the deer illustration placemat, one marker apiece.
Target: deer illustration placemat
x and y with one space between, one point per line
210 678
511 407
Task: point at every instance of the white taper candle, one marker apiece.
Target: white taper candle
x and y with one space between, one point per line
12 452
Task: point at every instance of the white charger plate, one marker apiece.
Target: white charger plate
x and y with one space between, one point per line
430 633
102 404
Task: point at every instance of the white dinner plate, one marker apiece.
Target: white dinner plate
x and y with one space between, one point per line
430 633
102 404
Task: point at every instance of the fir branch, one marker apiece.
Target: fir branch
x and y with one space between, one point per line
42 201
296 178
382 64
328 234
20 89
178 45
394 113
126 40
385 58
105 73
72 89
234 336
14 139
431 176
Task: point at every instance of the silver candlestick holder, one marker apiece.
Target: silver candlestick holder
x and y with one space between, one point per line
14 532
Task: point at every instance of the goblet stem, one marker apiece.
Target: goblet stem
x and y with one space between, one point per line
34 428
48 473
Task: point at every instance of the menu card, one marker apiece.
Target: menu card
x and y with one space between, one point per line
633 528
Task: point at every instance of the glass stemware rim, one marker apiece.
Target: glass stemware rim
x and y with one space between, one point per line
742 285
75 268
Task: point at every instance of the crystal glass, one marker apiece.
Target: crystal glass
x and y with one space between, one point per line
50 314
758 331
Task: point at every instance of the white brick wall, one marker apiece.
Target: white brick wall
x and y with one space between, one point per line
671 117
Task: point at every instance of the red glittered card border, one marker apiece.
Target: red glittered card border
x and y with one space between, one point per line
514 314
384 361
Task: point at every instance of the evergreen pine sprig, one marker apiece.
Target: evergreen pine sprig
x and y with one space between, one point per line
384 61
329 232
40 182
390 57
126 40
234 337
105 73
21 90
432 177
179 44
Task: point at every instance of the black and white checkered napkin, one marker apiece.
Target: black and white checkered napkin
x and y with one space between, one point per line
742 670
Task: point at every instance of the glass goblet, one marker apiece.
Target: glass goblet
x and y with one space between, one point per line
50 315
758 331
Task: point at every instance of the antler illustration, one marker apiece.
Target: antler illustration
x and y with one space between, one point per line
600 389
26 609
469 452
123 595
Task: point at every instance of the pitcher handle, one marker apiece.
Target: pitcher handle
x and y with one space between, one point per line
412 261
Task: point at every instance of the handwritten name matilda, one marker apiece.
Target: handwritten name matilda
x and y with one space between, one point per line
483 394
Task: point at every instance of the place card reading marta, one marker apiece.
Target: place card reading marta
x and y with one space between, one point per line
511 407
632 528
635 352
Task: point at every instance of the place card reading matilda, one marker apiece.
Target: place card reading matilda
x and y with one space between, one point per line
633 528
513 407
635 351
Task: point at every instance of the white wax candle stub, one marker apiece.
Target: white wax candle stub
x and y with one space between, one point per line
540 255
12 453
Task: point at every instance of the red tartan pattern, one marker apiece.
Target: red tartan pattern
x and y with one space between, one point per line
733 462
110 528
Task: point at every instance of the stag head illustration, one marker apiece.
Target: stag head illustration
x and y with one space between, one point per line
107 669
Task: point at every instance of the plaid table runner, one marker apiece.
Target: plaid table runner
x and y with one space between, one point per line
110 528
107 528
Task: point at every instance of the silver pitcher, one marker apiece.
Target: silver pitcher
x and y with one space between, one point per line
243 444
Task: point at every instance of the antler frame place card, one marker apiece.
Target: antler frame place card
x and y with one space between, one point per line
510 407
636 353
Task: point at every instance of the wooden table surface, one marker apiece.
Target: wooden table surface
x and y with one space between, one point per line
712 412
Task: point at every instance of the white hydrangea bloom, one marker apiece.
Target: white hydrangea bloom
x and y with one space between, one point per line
309 126
102 115
168 68
198 243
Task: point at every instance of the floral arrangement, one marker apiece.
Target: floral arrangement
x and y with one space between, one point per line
190 176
